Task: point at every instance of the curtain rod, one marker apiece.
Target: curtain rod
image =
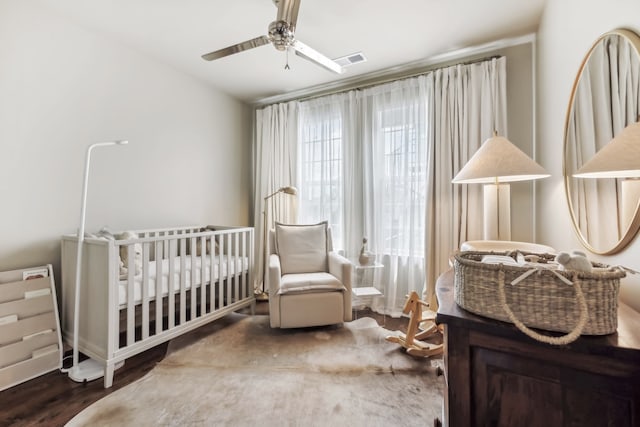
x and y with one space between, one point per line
377 82
425 64
393 78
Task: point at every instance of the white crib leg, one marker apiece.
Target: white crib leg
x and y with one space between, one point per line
253 307
108 374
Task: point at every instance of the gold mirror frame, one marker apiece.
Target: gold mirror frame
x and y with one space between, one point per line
632 229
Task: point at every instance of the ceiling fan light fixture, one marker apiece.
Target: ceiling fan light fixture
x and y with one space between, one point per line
280 34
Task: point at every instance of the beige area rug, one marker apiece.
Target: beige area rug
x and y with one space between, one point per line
237 371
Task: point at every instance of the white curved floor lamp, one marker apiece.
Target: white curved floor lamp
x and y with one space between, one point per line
89 369
292 191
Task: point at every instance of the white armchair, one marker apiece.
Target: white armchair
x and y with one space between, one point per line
308 283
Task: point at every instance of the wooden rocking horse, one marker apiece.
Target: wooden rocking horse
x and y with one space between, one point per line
411 340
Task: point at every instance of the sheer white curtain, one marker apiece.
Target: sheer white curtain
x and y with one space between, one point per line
394 184
378 163
321 164
330 167
468 104
275 159
362 168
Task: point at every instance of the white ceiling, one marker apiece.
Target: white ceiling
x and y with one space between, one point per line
389 33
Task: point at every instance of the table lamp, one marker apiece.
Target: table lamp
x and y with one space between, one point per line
620 158
496 162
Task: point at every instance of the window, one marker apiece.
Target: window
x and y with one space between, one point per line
377 162
321 172
404 185
387 156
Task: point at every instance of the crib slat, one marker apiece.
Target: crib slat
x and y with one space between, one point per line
236 270
251 281
240 266
220 275
243 256
246 262
158 300
171 307
145 290
131 313
193 276
204 255
250 266
213 281
228 275
231 267
183 281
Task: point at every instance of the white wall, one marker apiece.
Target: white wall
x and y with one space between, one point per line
567 31
520 96
62 88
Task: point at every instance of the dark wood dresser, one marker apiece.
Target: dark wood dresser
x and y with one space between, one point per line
497 376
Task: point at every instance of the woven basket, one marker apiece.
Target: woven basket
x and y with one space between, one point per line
563 301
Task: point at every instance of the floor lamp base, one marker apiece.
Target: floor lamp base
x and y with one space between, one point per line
89 370
262 296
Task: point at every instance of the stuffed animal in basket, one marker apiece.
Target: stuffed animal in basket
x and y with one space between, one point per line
576 260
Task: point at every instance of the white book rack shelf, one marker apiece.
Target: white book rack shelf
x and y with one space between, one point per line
30 339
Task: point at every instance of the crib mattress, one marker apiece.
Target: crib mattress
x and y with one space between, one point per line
230 267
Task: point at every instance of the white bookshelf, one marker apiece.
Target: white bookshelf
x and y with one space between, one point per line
30 339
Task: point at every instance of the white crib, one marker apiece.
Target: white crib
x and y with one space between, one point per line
176 287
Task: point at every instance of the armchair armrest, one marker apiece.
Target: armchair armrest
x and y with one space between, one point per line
342 268
272 286
273 274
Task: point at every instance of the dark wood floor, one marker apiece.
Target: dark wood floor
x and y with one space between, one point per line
53 399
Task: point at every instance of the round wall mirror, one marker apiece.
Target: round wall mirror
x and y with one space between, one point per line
604 100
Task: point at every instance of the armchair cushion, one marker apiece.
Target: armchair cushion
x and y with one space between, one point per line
309 282
302 248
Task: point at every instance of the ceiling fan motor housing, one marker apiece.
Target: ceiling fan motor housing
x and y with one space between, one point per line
280 34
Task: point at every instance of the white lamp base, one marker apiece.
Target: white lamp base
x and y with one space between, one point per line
89 370
497 212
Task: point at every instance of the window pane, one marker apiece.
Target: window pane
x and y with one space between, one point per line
321 186
404 186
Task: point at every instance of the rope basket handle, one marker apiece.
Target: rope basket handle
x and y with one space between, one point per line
561 340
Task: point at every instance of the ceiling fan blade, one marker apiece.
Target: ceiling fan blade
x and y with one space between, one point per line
288 12
312 55
249 44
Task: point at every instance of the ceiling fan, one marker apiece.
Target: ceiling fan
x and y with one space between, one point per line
281 35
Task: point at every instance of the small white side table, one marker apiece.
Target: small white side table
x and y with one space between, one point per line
364 289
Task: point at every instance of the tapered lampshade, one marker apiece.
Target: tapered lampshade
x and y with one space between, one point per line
292 191
289 190
496 162
620 158
499 160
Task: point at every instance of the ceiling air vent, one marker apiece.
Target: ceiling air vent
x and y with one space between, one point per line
352 59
